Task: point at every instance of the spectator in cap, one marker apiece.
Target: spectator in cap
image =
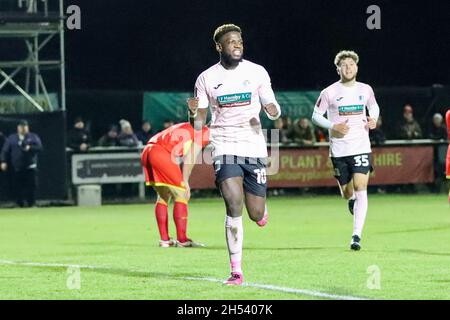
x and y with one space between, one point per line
79 137
19 155
111 138
126 137
438 130
145 133
409 128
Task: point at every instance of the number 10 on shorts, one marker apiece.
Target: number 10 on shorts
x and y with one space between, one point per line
261 176
361 160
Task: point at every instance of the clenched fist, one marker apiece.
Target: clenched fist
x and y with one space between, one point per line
339 130
371 123
271 109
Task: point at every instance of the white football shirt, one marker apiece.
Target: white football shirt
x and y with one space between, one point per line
342 103
235 98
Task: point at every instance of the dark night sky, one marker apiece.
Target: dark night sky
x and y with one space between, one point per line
164 45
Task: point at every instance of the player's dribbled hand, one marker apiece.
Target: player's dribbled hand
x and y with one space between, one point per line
236 279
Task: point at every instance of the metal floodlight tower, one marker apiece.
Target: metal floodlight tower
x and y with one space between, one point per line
31 21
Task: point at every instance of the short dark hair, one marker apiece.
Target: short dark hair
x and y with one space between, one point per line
223 29
78 119
22 122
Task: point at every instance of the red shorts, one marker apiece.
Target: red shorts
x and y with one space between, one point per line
160 169
447 163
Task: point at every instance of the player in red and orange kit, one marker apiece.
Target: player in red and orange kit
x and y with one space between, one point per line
447 162
161 161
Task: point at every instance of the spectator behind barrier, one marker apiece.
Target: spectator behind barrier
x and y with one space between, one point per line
111 138
409 128
168 123
126 137
437 130
79 137
145 133
377 135
302 132
282 125
19 155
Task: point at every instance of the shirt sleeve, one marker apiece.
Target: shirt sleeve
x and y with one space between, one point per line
322 104
372 105
200 92
266 94
320 109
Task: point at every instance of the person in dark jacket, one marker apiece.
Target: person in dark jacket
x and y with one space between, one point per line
126 137
377 135
19 155
438 131
302 132
79 137
409 128
145 133
111 138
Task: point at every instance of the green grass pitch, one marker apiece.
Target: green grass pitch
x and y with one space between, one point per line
305 246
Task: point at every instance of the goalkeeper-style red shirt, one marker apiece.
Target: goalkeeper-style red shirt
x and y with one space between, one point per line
177 139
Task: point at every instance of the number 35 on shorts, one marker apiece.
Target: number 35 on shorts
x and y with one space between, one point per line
261 176
361 161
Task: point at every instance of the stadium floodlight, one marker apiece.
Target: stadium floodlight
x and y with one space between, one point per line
30 21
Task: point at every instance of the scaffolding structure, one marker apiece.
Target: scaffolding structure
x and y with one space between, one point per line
32 23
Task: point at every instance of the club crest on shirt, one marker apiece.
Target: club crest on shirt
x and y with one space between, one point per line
361 98
235 100
246 83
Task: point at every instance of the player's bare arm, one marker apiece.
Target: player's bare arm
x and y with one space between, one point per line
188 165
197 117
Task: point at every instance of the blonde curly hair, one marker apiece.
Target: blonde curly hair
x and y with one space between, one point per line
344 54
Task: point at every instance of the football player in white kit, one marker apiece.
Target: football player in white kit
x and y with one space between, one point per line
345 103
236 90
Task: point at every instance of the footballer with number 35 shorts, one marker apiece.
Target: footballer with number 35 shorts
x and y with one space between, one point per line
161 159
345 103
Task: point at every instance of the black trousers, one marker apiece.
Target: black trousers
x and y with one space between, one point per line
24 187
